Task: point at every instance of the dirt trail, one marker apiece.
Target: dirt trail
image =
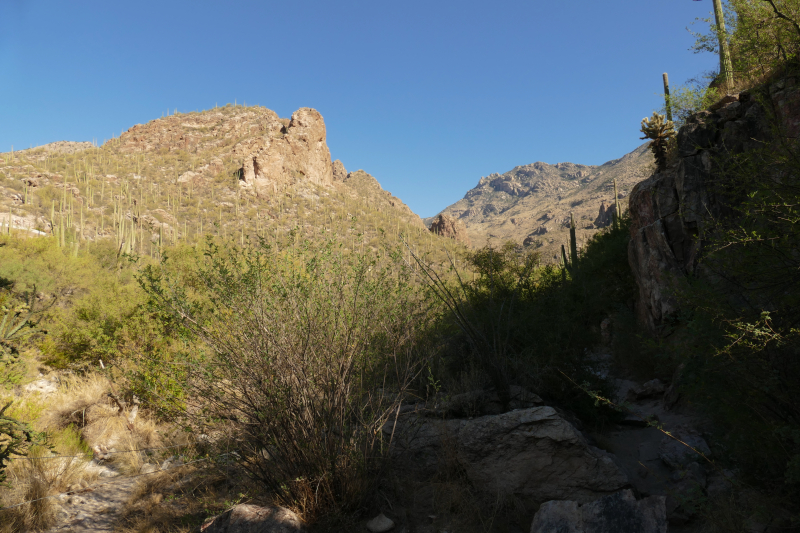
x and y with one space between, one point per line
95 509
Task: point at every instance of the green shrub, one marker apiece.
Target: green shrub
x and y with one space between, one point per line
297 357
531 325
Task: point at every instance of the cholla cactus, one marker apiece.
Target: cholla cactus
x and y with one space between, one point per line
661 131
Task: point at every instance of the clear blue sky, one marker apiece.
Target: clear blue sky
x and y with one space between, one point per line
428 96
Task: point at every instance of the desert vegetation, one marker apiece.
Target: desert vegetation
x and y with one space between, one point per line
211 347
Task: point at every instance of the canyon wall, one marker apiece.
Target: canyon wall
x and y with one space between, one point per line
672 209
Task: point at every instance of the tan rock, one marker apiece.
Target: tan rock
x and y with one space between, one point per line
446 226
271 163
339 172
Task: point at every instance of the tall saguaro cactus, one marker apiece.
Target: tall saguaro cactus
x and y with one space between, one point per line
725 65
573 242
666 96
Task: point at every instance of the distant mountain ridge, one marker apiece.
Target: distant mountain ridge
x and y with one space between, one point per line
531 204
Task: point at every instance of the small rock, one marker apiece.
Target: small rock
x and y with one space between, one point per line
678 455
380 524
245 518
149 468
42 386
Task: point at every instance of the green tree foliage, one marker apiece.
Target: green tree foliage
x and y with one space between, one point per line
763 35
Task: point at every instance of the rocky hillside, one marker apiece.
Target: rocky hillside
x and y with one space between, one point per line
673 210
232 171
531 204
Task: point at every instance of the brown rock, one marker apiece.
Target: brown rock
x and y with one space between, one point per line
271 163
246 518
447 226
339 172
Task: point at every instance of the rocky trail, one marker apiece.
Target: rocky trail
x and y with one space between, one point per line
648 464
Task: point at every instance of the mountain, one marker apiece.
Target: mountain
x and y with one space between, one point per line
531 204
232 172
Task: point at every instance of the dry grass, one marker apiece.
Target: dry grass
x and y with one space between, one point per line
179 500
79 417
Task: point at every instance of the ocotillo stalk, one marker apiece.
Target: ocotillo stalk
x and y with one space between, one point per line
573 242
725 66
666 96
616 206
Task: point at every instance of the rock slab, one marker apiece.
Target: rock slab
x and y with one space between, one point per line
616 513
530 452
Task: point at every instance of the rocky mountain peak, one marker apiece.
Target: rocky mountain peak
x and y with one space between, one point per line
531 203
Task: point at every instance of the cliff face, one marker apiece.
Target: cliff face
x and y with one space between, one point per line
671 210
285 154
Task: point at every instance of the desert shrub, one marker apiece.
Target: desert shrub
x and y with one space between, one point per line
298 357
748 376
531 325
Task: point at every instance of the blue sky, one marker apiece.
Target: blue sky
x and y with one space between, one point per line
428 96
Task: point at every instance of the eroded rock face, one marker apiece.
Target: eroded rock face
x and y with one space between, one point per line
245 518
447 226
273 161
616 513
670 210
530 452
339 172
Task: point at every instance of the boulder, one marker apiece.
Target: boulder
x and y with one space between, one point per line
676 454
530 452
447 226
380 524
339 172
245 518
615 513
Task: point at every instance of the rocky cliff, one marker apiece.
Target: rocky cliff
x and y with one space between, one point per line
671 210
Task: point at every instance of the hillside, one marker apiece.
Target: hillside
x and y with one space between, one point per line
531 204
230 172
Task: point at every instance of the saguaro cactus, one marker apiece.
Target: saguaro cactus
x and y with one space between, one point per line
665 77
617 210
573 242
725 65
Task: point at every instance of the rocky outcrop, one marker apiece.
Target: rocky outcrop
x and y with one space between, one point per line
671 209
273 161
339 172
531 452
606 215
245 518
446 226
616 513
